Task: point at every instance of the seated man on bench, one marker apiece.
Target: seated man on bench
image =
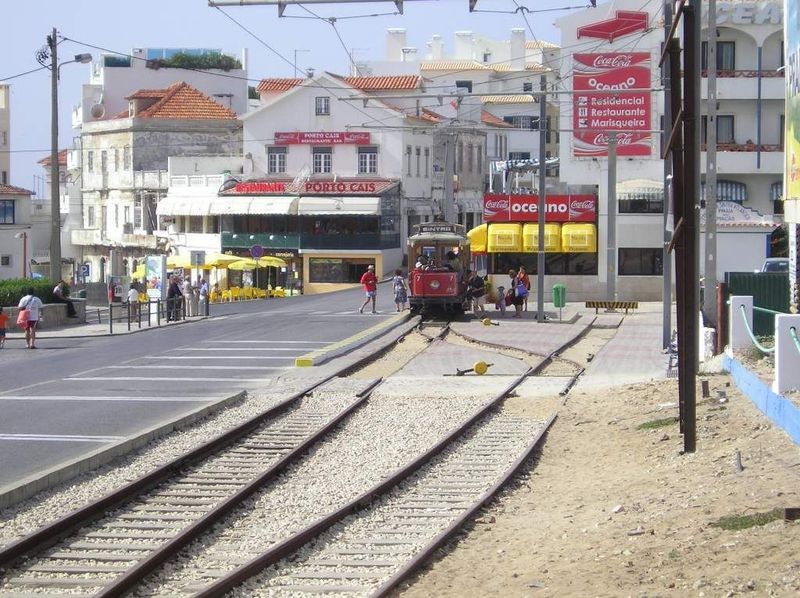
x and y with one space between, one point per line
60 296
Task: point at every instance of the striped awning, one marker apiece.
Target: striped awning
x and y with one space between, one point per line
253 204
185 205
727 191
640 189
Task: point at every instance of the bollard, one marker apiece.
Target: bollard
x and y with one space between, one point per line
787 357
111 318
129 316
739 337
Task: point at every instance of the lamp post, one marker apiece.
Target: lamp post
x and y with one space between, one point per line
24 236
55 198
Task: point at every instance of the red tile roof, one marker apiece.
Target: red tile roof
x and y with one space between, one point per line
383 83
62 159
430 115
180 101
490 119
277 85
12 190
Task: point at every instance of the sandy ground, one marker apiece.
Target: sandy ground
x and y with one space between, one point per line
606 509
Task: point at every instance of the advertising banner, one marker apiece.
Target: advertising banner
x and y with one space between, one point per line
791 188
595 113
321 138
499 207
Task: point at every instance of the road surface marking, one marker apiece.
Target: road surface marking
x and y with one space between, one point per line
194 367
59 438
251 349
276 342
110 399
162 379
214 357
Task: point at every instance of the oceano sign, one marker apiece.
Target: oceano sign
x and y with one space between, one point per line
748 13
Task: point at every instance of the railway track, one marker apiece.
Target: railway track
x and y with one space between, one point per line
131 533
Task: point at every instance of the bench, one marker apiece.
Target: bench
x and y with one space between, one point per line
626 305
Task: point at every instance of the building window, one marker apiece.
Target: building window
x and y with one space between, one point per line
418 154
337 270
322 159
725 129
527 86
782 124
137 212
519 155
127 215
464 85
104 161
322 106
4 177
460 158
4 138
427 162
116 216
641 261
726 56
90 161
523 121
126 157
116 160
6 211
470 162
90 217
367 160
195 224
276 160
408 160
480 159
5 260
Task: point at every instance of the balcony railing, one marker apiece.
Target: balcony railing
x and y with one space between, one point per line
271 241
151 179
745 74
309 241
745 147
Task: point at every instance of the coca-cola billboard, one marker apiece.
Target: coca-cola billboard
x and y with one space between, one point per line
499 207
596 113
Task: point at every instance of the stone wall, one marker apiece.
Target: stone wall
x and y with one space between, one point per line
54 315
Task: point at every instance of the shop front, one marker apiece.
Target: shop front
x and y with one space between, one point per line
328 231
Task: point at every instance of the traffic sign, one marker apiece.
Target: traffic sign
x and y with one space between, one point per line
197 258
257 251
85 270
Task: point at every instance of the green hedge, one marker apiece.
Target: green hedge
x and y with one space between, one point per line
211 60
14 289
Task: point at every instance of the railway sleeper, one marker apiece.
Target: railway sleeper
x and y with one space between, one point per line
88 568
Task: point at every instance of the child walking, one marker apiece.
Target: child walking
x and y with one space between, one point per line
3 326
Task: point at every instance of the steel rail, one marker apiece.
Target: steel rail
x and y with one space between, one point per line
422 556
53 532
120 585
291 544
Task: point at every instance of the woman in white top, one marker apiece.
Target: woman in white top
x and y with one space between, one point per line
34 306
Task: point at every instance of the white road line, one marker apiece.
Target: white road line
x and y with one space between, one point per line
194 367
216 357
274 342
59 438
249 349
162 379
110 399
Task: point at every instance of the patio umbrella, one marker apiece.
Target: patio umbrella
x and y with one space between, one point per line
244 263
220 260
179 261
139 271
269 261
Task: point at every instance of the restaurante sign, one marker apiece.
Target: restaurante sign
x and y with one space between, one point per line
321 138
317 187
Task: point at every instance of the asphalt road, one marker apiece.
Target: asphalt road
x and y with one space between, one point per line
75 395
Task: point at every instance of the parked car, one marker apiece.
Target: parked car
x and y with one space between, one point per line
776 264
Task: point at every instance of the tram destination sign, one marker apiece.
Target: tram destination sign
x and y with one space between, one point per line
437 228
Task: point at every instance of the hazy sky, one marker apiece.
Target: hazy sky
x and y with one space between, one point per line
121 26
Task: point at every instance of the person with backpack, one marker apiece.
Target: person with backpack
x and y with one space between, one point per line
516 293
30 308
477 292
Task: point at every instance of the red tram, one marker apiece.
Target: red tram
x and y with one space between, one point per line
438 258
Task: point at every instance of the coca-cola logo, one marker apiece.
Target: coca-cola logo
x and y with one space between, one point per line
622 139
496 204
613 61
586 204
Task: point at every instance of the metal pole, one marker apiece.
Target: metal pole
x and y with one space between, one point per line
449 171
611 243
55 199
541 205
666 293
24 253
710 266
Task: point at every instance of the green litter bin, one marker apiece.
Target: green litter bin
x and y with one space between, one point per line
559 295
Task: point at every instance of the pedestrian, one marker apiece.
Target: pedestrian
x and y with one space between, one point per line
203 305
477 291
60 295
453 263
188 296
3 326
523 276
370 284
400 290
174 297
133 300
34 306
501 301
517 293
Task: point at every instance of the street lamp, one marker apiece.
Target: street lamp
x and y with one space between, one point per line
24 236
55 198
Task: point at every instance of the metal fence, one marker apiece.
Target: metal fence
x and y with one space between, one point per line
769 290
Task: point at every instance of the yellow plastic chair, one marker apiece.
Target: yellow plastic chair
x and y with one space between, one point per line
213 297
226 295
236 293
260 294
278 292
248 293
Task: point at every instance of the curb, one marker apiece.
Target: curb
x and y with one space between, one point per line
782 412
352 343
19 491
45 336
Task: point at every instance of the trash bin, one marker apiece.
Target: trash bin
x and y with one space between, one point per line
559 295
81 293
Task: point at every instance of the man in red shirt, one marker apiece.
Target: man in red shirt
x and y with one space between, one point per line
370 283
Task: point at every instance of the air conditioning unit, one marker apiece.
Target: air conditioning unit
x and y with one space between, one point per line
127 228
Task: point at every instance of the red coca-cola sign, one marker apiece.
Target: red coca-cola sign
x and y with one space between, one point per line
524 208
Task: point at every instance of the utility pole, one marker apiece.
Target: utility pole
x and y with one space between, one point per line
448 211
541 212
710 269
666 293
611 242
55 198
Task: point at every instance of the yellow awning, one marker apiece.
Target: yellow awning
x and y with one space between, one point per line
578 238
552 237
477 238
505 237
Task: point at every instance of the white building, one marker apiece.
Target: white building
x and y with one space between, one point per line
15 231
